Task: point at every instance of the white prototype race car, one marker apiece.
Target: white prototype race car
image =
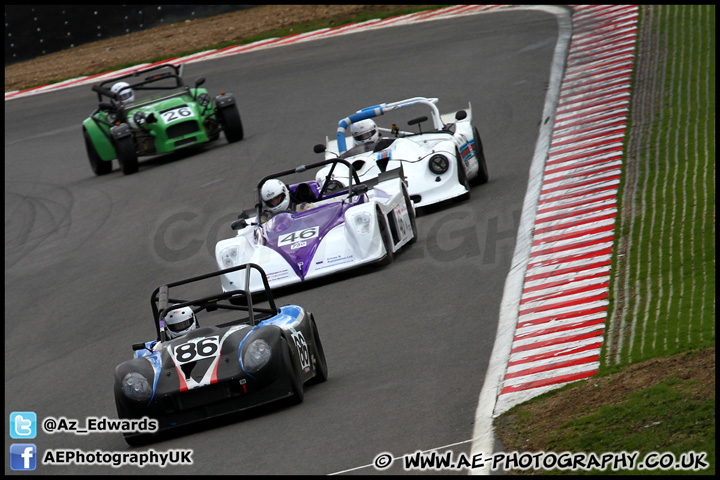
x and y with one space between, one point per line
439 163
338 227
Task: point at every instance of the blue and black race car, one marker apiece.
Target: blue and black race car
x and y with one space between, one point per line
197 369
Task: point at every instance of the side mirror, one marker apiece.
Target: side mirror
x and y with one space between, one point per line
199 81
238 224
319 148
461 115
359 189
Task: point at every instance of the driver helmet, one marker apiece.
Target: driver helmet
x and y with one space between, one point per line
275 195
180 321
124 92
364 131
335 184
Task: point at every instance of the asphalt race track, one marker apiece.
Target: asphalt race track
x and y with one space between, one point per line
407 346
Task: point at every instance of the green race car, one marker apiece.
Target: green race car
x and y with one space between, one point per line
151 112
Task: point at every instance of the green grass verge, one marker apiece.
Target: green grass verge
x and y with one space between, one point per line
670 287
664 418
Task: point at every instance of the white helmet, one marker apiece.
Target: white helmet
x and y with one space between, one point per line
124 92
336 183
180 321
364 131
275 195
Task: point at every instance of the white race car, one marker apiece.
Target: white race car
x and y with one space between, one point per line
439 163
330 226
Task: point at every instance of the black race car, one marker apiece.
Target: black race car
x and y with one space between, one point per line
197 370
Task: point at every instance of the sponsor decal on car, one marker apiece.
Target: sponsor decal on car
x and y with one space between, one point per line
385 154
402 220
466 151
302 348
297 245
279 275
334 261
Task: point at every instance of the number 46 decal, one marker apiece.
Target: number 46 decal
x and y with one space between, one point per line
298 236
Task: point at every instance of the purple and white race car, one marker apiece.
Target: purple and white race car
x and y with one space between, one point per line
342 225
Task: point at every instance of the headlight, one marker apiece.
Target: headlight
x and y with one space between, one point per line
257 354
362 222
136 386
438 164
229 256
139 118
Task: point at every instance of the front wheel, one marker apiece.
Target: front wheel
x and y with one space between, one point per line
410 209
98 165
132 439
231 123
462 178
386 239
483 176
126 154
293 372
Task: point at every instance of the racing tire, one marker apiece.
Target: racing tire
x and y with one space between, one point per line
462 179
321 371
126 154
293 372
386 239
411 210
134 440
231 123
482 176
138 440
98 165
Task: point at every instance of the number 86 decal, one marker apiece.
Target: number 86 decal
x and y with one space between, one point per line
197 349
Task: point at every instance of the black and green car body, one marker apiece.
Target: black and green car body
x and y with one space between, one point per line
166 115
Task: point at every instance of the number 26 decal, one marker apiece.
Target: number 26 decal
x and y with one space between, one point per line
176 114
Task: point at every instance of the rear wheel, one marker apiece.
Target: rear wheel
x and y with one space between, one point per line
483 176
126 154
321 369
231 123
98 165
